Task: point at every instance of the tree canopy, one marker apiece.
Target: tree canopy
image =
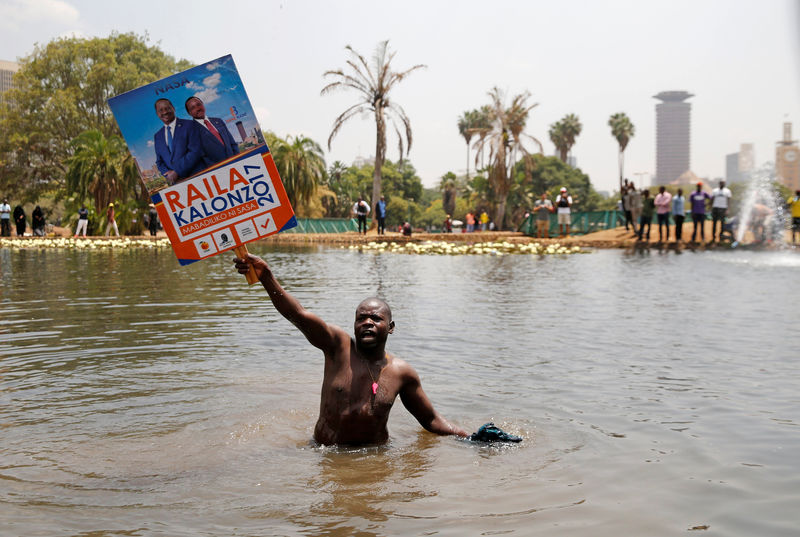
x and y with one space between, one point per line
59 92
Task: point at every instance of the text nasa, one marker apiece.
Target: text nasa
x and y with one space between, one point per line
215 193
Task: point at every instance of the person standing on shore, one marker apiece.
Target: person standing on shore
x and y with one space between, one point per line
361 209
380 214
678 213
626 206
564 208
111 221
83 221
543 207
152 222
361 380
635 203
698 202
720 201
19 220
470 219
794 207
5 218
484 221
37 222
663 205
648 207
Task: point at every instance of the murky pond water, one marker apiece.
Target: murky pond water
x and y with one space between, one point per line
657 393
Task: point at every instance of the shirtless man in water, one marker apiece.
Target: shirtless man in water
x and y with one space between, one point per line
361 380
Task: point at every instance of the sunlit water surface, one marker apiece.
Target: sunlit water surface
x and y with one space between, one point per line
657 393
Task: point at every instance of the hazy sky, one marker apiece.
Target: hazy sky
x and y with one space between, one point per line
741 59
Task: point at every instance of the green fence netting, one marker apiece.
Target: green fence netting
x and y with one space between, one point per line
324 225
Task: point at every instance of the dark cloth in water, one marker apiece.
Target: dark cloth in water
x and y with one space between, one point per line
488 432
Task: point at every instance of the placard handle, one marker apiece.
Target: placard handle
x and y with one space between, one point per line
241 252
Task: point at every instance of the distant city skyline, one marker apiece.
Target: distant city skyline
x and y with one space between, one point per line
592 59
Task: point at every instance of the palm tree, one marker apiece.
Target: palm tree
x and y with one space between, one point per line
467 126
622 129
559 139
505 141
572 128
447 185
102 168
301 166
373 81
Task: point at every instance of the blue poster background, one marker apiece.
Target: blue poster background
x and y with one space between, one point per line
216 83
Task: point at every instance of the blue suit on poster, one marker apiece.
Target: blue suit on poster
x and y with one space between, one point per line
213 151
186 157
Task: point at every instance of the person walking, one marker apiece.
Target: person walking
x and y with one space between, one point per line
697 200
83 221
720 201
648 207
5 218
111 220
678 213
663 206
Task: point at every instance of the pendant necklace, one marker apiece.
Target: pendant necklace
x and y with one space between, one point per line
374 383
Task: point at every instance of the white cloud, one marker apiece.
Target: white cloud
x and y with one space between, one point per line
212 81
208 95
15 13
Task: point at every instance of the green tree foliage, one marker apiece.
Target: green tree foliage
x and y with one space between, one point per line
449 192
563 133
623 130
301 166
373 81
60 91
102 169
549 174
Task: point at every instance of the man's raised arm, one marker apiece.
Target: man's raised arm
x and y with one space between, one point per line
317 331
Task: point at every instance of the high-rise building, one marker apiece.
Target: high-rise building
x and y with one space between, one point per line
673 126
787 160
7 70
739 166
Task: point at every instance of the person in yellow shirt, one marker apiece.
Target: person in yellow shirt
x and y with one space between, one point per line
794 205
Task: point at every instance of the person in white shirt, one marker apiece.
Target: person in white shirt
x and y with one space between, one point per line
563 205
5 218
361 208
720 201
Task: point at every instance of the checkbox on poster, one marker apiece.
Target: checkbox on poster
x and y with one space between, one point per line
265 224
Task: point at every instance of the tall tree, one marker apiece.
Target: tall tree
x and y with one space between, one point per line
449 192
373 81
301 166
505 142
467 127
559 139
59 92
102 169
622 129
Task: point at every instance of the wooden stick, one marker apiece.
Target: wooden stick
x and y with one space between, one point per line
241 252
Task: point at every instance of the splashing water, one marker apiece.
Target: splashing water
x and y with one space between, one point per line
762 211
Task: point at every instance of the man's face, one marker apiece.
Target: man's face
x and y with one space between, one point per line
196 108
544 196
165 112
373 323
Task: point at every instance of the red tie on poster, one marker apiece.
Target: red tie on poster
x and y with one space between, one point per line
214 131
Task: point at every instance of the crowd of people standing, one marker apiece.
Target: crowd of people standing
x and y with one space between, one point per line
639 208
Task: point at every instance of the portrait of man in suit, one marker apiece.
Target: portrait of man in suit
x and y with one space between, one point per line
215 138
178 148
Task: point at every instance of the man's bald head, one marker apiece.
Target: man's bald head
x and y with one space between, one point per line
376 302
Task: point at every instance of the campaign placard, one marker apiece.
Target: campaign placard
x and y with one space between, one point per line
202 157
